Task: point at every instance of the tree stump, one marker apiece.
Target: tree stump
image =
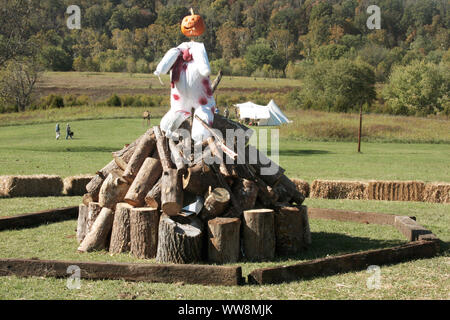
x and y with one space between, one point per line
171 192
223 240
216 202
143 150
289 231
94 209
113 190
83 211
153 197
246 191
259 234
120 236
180 239
145 179
144 224
97 237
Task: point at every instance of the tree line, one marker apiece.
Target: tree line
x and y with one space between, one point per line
282 38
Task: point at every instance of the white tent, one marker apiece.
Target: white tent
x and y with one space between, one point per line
269 115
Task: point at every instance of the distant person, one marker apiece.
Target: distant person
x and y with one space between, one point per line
216 110
69 133
58 131
226 113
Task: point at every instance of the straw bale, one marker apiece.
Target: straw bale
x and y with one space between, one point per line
329 189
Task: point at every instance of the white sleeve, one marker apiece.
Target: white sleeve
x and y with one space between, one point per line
200 58
167 62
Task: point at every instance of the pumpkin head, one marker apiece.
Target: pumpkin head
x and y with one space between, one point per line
192 25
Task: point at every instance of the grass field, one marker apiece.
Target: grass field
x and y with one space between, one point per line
317 145
32 149
420 279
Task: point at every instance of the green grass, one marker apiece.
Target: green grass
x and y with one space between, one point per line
420 279
32 149
329 126
14 206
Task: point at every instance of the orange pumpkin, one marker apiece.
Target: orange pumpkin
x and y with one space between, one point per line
193 25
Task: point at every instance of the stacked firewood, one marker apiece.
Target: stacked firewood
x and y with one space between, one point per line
159 198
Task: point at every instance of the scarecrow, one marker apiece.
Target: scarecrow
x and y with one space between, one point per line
190 83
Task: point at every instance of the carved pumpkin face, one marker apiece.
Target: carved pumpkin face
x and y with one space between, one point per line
193 25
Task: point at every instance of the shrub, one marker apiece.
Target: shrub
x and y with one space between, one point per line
341 86
417 89
298 70
220 64
56 59
114 101
128 100
142 66
52 101
330 52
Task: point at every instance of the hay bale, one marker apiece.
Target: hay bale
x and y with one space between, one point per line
31 186
302 186
76 185
328 189
438 192
396 190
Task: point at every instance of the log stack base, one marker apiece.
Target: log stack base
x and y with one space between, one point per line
154 200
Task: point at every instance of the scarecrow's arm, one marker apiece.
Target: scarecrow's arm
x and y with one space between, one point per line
167 62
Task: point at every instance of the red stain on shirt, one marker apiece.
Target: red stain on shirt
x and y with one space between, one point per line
187 56
207 86
203 101
176 97
180 65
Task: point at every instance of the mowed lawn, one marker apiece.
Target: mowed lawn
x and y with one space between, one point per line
32 149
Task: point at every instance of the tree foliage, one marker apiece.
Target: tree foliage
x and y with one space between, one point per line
420 88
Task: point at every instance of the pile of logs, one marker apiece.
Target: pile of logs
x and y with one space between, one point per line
157 198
